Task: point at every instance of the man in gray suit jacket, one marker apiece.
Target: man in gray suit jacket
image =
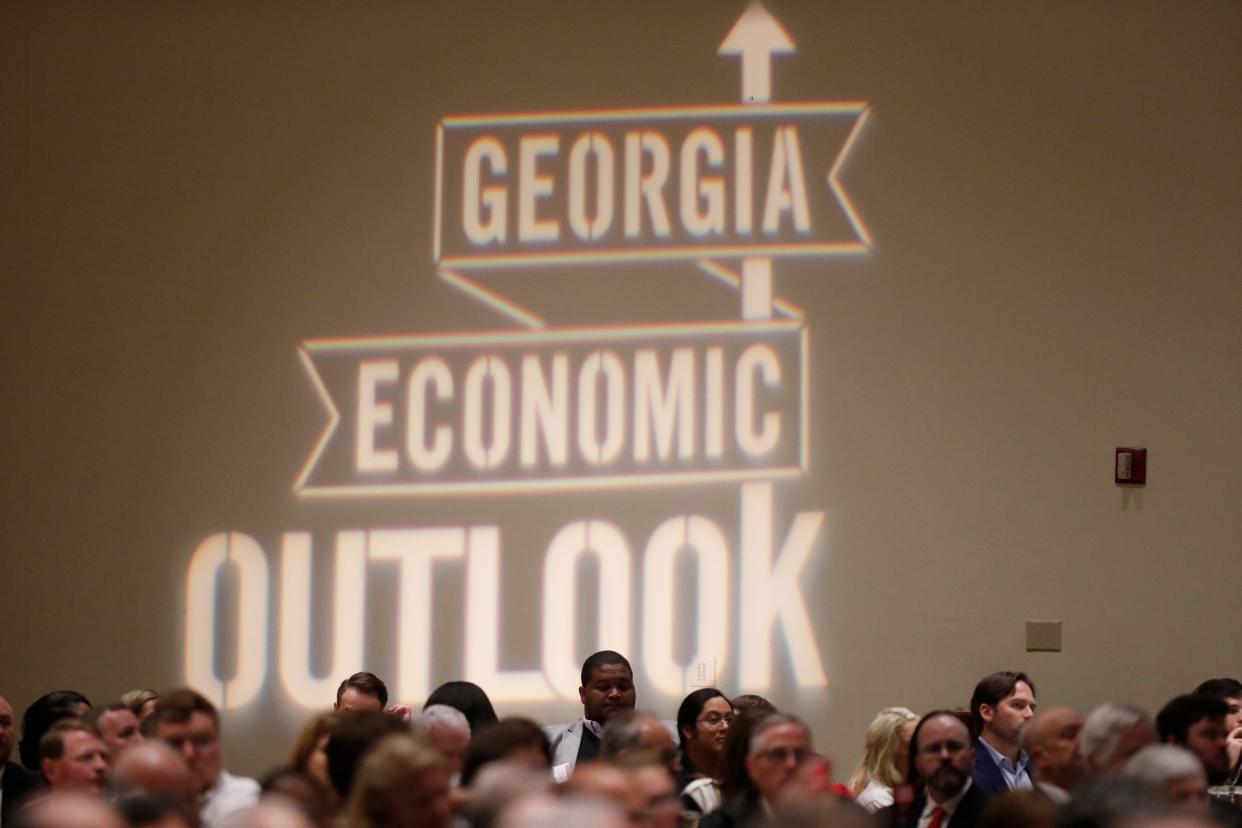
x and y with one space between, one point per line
607 690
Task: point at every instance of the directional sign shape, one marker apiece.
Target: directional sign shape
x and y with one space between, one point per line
741 182
756 36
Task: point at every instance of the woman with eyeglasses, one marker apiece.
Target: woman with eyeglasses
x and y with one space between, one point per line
702 723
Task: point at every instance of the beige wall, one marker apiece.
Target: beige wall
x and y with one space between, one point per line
191 190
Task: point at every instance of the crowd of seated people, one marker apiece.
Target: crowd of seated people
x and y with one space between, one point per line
1001 761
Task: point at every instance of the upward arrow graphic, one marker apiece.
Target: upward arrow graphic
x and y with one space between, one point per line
756 36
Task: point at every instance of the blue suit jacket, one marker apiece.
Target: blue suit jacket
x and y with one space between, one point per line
987 774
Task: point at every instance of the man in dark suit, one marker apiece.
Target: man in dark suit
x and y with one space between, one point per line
779 745
15 781
1001 706
941 759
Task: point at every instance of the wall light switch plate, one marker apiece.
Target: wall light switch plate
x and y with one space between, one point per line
1130 466
1043 636
702 673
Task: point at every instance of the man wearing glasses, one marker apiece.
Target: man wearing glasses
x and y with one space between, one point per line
779 745
941 760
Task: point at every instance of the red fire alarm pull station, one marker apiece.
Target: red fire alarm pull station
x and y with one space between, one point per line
1131 466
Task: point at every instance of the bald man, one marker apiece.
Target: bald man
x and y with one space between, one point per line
1050 739
155 768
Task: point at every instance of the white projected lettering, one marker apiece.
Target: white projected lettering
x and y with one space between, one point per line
590 144
595 408
769 600
295 615
483 212
645 190
726 189
700 165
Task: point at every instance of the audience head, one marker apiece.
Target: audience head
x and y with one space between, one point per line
119 728
941 754
609 783
500 784
68 809
142 810
401 783
1051 739
44 712
779 743
74 757
703 721
359 692
1001 706
447 730
886 754
189 724
607 686
749 701
1197 723
155 769
1172 769
822 812
352 737
632 732
309 754
312 798
467 697
1112 733
1111 800
571 811
1229 691
141 702
732 771
7 734
1019 809
660 803
515 739
271 813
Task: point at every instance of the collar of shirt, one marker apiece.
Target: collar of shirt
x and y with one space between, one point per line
1003 762
949 806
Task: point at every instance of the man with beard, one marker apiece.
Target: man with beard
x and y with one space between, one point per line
941 760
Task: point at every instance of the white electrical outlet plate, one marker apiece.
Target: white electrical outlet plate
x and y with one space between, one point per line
701 673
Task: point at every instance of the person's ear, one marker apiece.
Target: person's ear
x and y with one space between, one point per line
582 694
987 712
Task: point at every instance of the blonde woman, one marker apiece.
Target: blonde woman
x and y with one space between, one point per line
401 783
885 761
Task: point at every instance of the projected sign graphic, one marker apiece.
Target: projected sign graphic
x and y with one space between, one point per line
724 190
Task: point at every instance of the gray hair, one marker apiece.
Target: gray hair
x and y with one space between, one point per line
1160 764
574 811
758 736
499 785
440 714
1103 728
624 732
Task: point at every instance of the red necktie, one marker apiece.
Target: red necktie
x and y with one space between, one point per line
937 820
